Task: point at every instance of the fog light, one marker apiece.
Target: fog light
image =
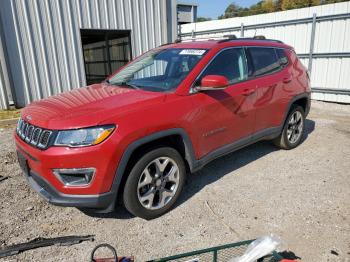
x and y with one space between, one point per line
75 176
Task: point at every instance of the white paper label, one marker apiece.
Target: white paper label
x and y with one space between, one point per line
192 52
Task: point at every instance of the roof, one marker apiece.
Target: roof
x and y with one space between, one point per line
186 4
195 44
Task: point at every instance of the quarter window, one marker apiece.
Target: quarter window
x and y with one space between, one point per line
230 63
264 60
281 53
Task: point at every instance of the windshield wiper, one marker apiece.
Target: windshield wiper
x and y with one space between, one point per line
43 242
128 84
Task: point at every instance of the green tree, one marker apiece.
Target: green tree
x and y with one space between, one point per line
262 7
256 9
278 4
265 6
332 1
293 4
202 19
233 10
269 6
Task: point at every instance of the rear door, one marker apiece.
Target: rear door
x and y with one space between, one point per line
268 75
221 117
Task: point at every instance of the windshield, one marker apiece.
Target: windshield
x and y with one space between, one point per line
159 70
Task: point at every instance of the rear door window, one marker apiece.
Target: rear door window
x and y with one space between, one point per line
230 63
264 60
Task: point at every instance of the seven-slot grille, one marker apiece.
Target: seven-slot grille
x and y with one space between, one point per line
33 135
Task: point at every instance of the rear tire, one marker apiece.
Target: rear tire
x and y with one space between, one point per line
154 183
293 129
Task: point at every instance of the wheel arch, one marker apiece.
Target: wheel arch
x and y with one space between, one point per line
176 138
303 100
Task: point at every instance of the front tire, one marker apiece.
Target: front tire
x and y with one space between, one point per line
154 183
293 129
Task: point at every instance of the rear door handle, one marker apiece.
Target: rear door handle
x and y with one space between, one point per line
287 80
248 91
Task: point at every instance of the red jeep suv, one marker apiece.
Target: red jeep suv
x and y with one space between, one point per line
167 113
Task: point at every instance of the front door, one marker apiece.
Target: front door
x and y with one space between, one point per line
223 117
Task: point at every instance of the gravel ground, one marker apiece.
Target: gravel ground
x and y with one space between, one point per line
302 195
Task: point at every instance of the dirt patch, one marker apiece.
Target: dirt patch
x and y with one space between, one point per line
9 114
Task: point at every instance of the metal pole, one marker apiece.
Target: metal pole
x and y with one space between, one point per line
4 103
108 56
4 74
215 256
312 42
242 30
178 27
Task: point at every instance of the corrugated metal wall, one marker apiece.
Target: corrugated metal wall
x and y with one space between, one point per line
331 36
4 83
3 94
43 38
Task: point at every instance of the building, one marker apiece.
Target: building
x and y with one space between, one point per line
186 13
48 47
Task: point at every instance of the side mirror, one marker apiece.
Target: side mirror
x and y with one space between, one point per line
213 82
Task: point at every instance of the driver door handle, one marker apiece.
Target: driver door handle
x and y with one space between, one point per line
248 91
287 80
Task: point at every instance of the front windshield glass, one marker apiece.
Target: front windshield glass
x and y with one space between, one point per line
159 70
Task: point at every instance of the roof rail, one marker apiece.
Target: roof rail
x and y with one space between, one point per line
258 37
231 37
227 38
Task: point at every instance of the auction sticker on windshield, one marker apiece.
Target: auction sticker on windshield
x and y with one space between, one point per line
192 52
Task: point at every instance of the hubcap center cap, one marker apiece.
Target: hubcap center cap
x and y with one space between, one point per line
158 182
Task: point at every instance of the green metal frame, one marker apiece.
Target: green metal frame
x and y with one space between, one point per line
214 251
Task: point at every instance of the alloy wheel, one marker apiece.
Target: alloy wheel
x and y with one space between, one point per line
158 183
295 127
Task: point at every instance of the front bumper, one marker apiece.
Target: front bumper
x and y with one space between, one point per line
100 194
104 158
50 194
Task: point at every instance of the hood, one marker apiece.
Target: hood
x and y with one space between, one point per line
87 106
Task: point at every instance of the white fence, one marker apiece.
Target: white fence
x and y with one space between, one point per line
320 36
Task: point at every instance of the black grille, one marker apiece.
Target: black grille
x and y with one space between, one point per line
44 139
33 135
36 135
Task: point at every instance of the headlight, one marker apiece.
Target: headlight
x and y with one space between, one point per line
83 137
